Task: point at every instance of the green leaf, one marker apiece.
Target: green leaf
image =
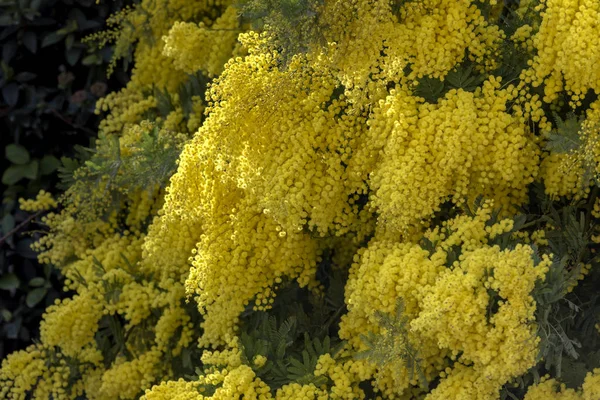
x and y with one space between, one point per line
463 78
30 41
458 76
8 51
186 358
70 27
31 170
37 282
72 55
12 175
9 281
5 314
574 374
24 249
393 345
8 223
70 40
430 89
280 350
10 93
91 60
51 39
49 164
16 154
565 137
35 296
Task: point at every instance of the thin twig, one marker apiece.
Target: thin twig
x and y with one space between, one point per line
70 123
20 226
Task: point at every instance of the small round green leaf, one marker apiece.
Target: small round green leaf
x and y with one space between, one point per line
36 4
16 154
35 296
69 41
8 223
10 93
37 282
47 270
30 41
51 38
5 314
8 51
12 175
31 170
91 60
72 55
49 164
23 248
9 282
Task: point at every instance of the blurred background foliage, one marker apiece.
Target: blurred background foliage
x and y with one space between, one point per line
49 83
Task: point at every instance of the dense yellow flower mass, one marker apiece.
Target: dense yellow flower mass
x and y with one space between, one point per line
568 49
186 41
400 155
465 146
449 307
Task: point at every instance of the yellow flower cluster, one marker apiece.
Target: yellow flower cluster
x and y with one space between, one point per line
465 146
194 47
158 65
234 381
126 378
254 255
523 36
571 173
281 123
456 313
551 389
370 44
567 49
72 323
99 254
344 375
295 391
333 151
259 360
174 390
20 372
449 308
43 201
100 262
43 373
